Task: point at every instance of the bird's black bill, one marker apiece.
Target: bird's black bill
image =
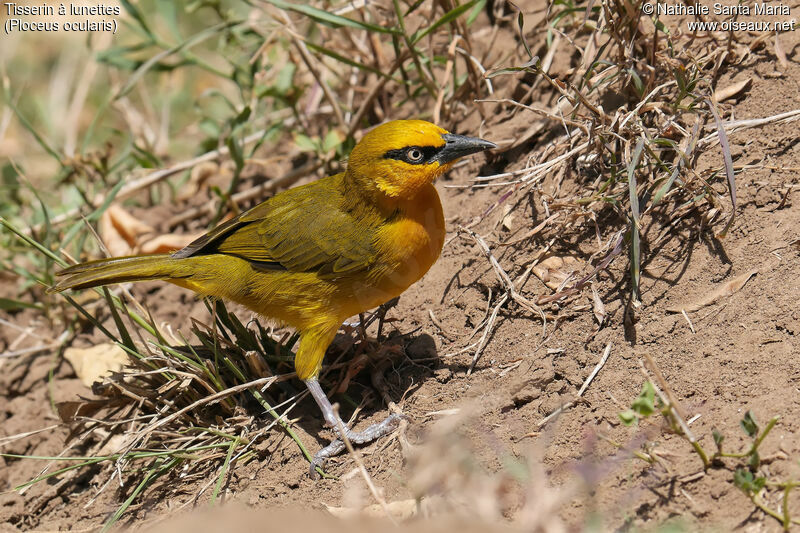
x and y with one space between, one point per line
459 146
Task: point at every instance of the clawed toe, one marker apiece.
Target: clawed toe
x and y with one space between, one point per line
370 434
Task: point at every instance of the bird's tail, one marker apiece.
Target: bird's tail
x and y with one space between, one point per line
119 270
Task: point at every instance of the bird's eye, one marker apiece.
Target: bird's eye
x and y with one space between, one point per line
414 154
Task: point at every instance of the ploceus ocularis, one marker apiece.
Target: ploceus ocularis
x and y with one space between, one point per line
315 255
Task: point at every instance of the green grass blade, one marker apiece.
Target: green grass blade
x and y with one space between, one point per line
7 304
637 155
224 471
150 63
447 17
134 12
726 155
348 61
683 160
96 323
93 216
154 473
84 462
330 19
635 222
124 334
39 139
32 242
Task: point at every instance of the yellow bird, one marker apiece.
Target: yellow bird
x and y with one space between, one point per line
314 255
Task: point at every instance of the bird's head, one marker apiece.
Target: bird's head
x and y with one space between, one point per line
400 157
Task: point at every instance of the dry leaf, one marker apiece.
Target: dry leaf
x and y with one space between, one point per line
725 290
731 90
508 218
780 54
400 510
554 270
115 443
69 411
92 364
199 176
598 308
120 230
167 243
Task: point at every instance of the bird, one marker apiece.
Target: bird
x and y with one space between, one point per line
314 255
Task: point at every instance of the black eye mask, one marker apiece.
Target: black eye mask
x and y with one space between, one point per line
428 154
455 146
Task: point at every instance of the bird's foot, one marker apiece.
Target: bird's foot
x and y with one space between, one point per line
373 432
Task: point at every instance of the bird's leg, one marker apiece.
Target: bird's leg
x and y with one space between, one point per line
382 310
373 432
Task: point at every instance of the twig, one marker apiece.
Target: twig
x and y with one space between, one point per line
511 292
438 324
674 408
480 67
738 125
688 320
308 60
31 350
363 469
451 53
547 114
596 369
18 436
376 88
485 337
215 397
532 172
583 388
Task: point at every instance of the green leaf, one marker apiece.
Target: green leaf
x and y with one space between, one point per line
749 424
628 417
529 66
7 304
235 149
285 79
754 461
745 480
635 253
637 155
331 140
241 118
644 404
718 438
520 24
413 7
637 82
306 143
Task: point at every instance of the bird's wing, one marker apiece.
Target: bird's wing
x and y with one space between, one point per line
294 231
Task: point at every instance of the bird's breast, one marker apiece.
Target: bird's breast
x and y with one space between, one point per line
410 242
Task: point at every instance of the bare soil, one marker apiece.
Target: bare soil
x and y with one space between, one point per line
737 354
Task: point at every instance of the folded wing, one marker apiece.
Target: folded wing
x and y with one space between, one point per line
302 230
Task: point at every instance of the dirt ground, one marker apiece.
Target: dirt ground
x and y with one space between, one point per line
469 433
